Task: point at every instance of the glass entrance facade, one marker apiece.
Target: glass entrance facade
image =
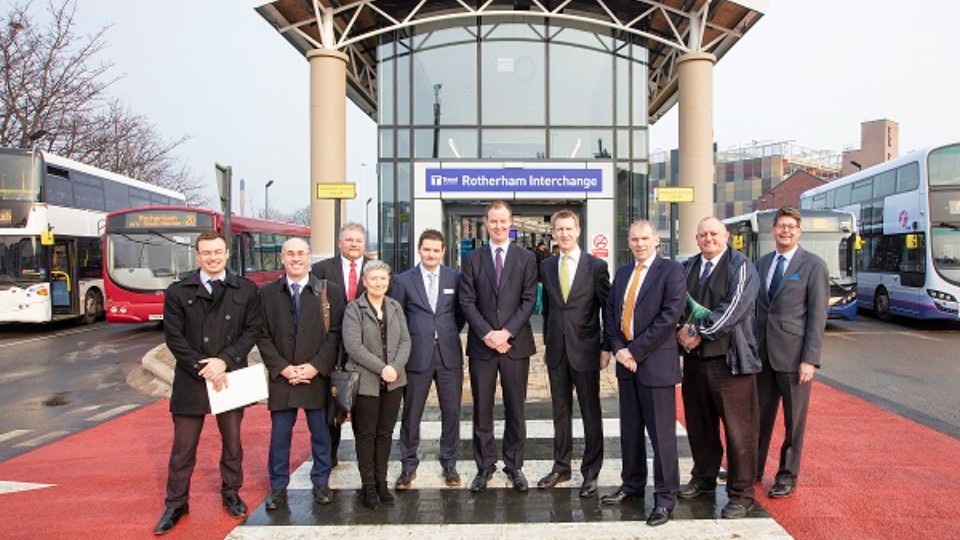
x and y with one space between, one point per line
508 89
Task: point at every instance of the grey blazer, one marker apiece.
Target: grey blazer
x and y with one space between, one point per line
361 339
790 325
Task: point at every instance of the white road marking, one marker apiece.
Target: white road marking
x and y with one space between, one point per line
14 487
14 434
37 441
112 412
55 335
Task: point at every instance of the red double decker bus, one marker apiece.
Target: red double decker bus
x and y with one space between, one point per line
146 249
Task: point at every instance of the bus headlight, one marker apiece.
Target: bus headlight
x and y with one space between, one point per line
940 295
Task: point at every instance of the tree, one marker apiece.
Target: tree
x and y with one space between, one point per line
53 80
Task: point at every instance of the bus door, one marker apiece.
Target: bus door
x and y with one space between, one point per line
63 280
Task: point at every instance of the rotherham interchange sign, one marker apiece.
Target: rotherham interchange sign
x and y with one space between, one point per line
526 180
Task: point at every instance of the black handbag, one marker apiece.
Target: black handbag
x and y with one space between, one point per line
344 383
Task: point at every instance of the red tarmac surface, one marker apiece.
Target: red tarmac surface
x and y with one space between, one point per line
867 474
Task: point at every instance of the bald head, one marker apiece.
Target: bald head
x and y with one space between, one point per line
296 258
712 237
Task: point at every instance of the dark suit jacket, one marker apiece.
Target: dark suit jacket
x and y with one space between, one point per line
574 325
659 306
195 329
509 306
332 269
281 347
790 325
423 324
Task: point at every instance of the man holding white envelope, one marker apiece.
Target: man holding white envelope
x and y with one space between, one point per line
211 320
299 345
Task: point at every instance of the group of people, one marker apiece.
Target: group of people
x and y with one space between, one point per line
402 335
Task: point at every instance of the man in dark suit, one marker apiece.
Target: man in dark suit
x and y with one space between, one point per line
344 269
429 296
719 369
645 304
211 321
791 318
498 290
299 352
575 289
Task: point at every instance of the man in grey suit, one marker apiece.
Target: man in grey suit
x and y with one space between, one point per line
575 289
791 317
497 292
429 297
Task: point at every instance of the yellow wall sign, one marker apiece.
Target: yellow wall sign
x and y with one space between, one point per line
345 190
674 194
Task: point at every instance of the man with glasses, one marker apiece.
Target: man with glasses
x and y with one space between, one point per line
211 320
299 352
719 370
791 318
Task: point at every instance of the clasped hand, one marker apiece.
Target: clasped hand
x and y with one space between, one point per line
624 357
215 371
687 341
498 340
299 374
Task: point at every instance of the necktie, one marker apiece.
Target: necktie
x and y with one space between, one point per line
705 275
499 264
626 320
295 287
216 289
352 285
777 276
432 293
565 277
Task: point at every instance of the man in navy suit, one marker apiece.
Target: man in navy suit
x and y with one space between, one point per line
498 290
344 269
644 307
791 318
429 296
575 289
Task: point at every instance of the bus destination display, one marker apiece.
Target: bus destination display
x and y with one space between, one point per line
168 220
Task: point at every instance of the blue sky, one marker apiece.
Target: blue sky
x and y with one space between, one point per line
809 72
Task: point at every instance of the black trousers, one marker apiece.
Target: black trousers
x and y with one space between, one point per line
653 409
772 386
373 419
449 383
563 379
711 394
514 373
183 455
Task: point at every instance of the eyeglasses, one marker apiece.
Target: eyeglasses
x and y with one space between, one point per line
786 226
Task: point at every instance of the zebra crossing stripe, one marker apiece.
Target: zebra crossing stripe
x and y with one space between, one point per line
37 441
14 434
536 429
112 412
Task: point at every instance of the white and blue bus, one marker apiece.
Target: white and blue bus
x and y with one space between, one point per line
52 212
909 218
830 234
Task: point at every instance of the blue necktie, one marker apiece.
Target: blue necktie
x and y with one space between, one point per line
777 276
295 287
705 275
432 293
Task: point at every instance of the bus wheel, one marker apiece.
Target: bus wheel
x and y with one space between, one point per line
92 306
881 305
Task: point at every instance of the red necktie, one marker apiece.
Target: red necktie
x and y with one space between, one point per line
352 286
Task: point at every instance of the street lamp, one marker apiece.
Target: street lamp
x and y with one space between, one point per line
266 200
366 224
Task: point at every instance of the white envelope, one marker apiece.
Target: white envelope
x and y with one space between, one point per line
244 386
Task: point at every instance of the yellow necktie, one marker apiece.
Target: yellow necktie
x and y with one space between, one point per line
564 277
626 321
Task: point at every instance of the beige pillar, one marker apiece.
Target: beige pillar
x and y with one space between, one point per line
696 144
328 149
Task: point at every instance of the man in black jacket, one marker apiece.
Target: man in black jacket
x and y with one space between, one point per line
299 351
344 269
211 321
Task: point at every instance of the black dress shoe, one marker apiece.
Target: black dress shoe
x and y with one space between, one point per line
694 488
321 494
451 477
235 506
659 516
383 492
618 497
779 491
277 498
479 482
369 498
518 478
170 518
404 480
588 489
735 510
552 480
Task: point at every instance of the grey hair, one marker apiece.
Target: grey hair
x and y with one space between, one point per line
375 265
352 226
